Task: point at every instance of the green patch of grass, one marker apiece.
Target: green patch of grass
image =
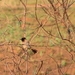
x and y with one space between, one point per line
51 54
51 43
42 52
58 40
63 63
66 74
12 33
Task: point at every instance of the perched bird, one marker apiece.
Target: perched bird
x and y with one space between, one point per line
25 43
26 46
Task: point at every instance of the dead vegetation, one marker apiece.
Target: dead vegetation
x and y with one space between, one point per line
55 50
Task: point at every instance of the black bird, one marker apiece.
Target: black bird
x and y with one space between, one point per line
27 45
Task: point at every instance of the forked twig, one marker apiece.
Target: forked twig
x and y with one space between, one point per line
40 67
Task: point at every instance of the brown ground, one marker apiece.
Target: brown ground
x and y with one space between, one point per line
12 64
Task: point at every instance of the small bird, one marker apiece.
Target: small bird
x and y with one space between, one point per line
26 45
